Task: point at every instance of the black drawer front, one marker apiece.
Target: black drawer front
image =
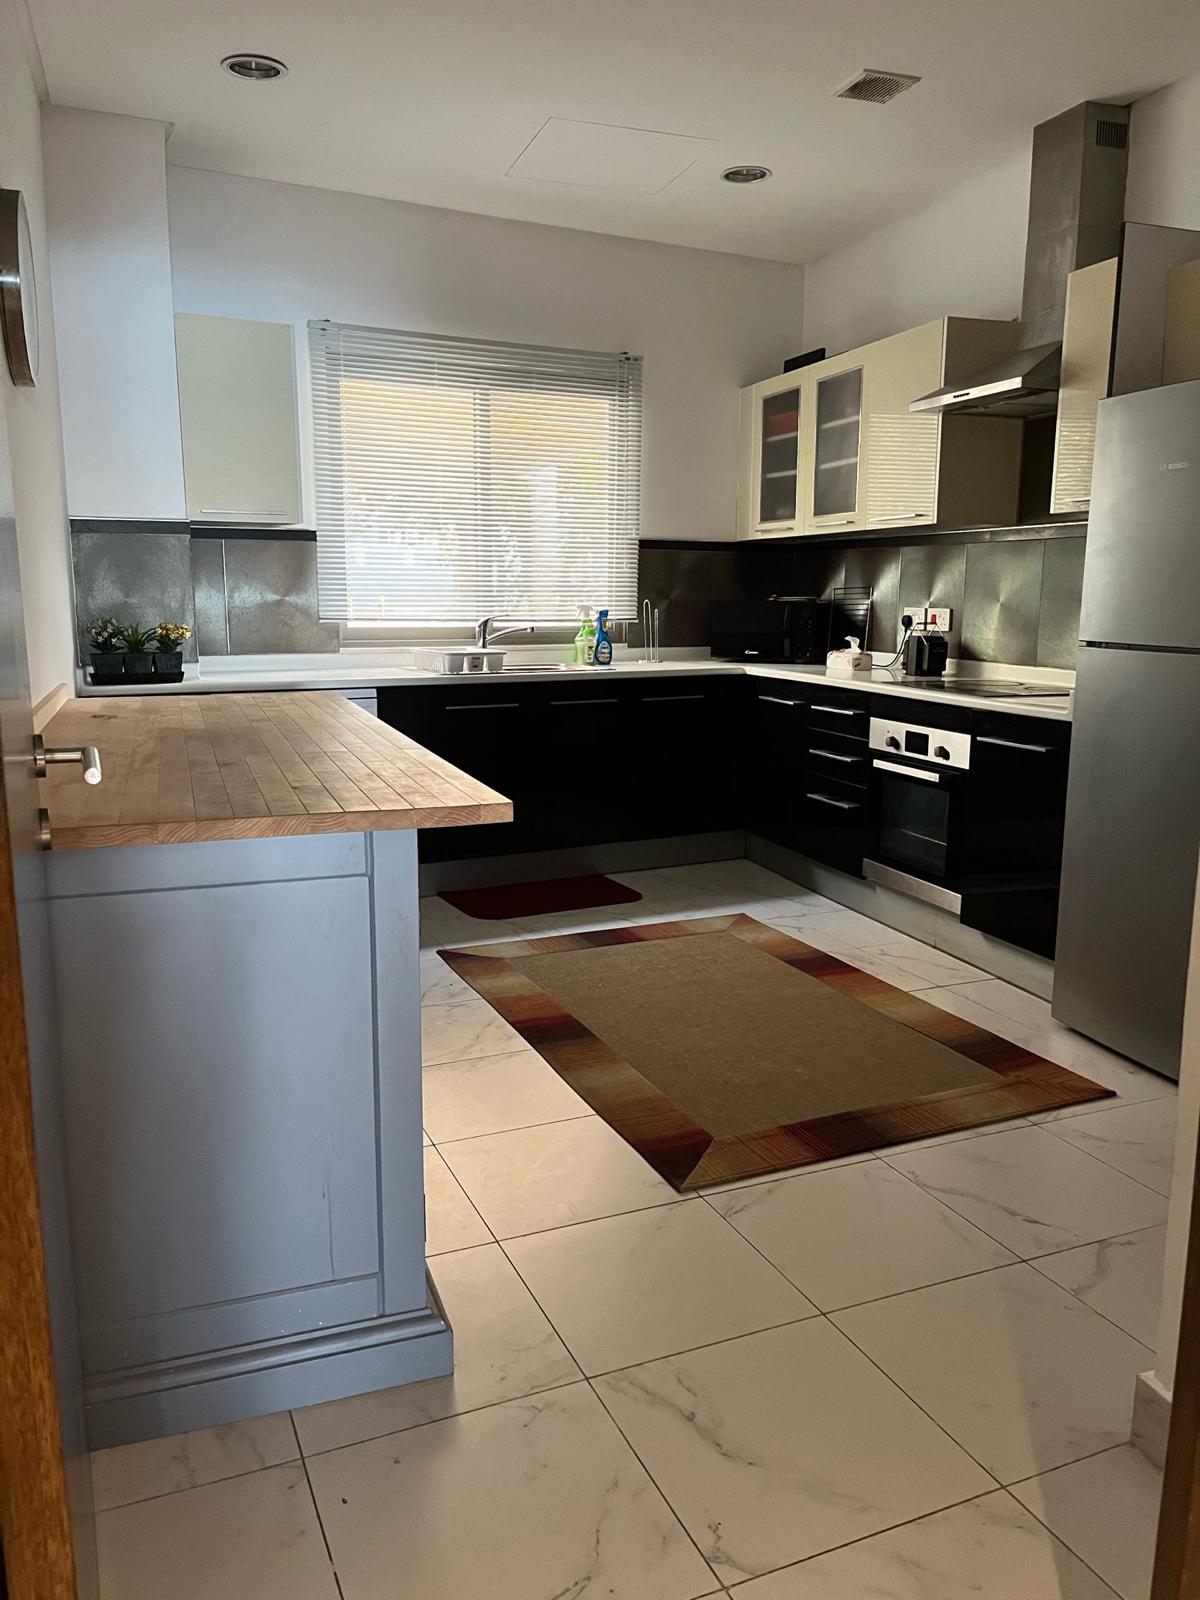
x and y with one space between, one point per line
827 715
834 826
839 762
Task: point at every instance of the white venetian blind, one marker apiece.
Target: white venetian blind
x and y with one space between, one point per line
458 478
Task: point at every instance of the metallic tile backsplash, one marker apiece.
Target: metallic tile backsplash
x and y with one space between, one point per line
241 596
139 576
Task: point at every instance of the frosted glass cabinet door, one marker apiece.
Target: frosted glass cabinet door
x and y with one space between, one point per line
237 404
776 457
835 457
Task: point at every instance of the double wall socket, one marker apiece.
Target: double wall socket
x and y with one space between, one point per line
928 617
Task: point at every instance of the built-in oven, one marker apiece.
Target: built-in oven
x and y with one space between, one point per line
918 796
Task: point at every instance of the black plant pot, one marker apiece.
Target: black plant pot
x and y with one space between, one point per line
108 667
139 665
168 666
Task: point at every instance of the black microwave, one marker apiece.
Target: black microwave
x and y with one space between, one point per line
793 629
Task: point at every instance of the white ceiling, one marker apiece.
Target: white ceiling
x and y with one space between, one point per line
435 102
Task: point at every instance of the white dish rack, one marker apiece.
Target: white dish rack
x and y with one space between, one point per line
456 658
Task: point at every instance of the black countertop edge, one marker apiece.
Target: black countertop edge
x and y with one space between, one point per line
128 525
194 530
216 530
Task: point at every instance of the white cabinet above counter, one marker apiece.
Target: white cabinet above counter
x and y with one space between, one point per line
237 405
833 448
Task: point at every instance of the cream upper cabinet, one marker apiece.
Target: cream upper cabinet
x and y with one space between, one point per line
1086 359
237 403
901 470
832 446
769 486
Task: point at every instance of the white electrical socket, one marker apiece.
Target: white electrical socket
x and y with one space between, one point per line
939 617
917 613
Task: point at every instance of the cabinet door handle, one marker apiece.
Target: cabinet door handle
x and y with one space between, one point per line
596 700
775 700
662 699
240 511
834 755
908 772
828 800
901 516
1015 744
488 705
835 522
839 711
86 756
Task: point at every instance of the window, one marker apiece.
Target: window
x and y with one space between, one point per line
458 479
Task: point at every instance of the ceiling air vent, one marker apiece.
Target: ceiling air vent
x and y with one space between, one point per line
1111 135
876 86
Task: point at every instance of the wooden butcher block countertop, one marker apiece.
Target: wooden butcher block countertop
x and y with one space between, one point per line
182 768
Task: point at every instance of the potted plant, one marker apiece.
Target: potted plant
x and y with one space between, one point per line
108 664
168 656
139 662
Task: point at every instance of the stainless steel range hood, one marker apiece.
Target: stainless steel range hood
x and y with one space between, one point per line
1076 208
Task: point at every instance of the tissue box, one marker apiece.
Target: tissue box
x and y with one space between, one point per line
844 664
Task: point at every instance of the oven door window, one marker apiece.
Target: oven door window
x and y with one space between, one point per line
914 824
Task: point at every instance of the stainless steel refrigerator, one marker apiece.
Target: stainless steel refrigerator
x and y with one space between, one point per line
1133 800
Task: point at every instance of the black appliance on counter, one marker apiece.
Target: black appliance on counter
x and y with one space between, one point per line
791 628
925 655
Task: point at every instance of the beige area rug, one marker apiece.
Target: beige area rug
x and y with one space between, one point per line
720 1047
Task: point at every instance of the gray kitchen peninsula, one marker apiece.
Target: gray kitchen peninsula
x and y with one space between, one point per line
235 926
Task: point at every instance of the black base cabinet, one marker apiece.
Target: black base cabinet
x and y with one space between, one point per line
598 760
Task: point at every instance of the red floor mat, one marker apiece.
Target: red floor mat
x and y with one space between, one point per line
504 901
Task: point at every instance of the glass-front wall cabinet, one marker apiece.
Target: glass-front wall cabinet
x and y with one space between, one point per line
838 417
778 459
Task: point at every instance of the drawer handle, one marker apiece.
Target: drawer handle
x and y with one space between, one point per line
663 699
828 800
908 772
240 511
597 700
775 700
1015 744
488 705
834 755
838 711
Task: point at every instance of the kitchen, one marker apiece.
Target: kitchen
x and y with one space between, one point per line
917 834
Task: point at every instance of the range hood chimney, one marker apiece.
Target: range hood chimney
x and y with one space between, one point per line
1076 209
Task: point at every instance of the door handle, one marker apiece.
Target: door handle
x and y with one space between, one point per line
1015 744
908 772
87 756
44 840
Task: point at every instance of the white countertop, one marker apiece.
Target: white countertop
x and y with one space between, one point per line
371 669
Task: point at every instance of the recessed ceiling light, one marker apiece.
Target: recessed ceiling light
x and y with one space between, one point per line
259 69
746 174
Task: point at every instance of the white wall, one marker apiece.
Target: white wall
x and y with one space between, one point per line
705 323
106 203
1164 157
961 256
34 429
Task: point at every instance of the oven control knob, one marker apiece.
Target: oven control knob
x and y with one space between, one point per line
940 753
892 742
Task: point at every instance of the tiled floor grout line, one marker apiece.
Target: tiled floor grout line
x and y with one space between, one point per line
312 1494
466 1138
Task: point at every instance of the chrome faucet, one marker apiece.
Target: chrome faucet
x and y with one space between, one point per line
484 634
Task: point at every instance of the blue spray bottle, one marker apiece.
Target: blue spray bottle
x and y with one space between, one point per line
604 653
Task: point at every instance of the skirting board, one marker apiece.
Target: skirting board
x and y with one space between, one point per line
921 921
254 1380
1151 1418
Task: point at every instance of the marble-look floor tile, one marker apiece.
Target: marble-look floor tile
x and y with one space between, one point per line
773 1447
553 1175
713 1189
1106 1510
440 984
910 1146
932 968
652 1283
537 1499
187 1460
503 1348
250 1538
1120 1278
443 926
1032 1191
451 1221
858 1234
1137 1140
490 1094
1021 1373
977 1549
835 930
461 1032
